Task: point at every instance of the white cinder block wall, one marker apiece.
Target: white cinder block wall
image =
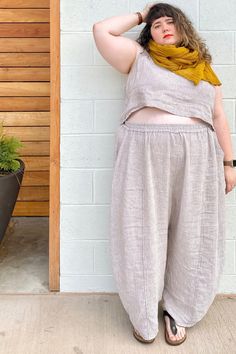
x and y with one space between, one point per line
91 104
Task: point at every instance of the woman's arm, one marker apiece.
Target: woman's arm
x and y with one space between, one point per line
118 51
221 126
223 134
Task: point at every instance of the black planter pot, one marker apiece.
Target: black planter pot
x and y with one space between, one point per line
9 189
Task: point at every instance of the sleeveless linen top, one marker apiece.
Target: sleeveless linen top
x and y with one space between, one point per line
151 85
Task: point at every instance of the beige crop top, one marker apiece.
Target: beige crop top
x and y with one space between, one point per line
151 85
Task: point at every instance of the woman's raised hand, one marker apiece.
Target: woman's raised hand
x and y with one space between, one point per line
146 10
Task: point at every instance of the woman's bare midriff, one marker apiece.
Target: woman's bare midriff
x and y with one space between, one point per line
152 115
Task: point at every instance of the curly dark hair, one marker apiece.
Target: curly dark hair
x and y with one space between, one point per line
189 36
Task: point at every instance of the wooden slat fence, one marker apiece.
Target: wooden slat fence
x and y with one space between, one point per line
25 95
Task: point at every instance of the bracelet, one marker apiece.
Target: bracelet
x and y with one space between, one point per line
140 19
231 163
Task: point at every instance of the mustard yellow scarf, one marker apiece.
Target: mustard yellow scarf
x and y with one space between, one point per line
182 62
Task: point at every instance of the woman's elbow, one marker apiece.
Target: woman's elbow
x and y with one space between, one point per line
96 26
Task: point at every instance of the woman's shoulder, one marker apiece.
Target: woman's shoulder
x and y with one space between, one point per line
140 49
139 52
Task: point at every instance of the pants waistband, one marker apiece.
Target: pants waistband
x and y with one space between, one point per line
167 127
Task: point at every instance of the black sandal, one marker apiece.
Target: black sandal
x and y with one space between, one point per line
173 330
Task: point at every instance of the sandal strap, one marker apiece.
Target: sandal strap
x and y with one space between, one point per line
172 322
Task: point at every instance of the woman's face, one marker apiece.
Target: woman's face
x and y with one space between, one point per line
160 29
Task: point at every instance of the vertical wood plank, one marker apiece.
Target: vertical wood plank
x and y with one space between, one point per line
54 191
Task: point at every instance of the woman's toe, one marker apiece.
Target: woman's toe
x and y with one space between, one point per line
181 332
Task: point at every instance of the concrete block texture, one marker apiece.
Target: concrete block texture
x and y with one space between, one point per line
76 186
84 222
231 221
77 116
81 15
76 257
227 284
107 115
102 258
217 15
91 82
77 49
102 186
87 151
87 283
229 266
220 45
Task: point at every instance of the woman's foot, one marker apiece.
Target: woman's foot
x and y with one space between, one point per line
174 333
140 338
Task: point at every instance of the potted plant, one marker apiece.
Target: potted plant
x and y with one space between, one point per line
11 175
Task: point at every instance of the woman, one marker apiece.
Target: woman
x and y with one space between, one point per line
169 180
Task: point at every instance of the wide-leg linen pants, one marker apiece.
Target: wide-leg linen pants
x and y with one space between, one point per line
167 221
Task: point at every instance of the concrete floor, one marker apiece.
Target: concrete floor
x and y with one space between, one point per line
64 323
42 322
24 256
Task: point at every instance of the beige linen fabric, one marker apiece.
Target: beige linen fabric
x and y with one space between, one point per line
167 226
150 85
